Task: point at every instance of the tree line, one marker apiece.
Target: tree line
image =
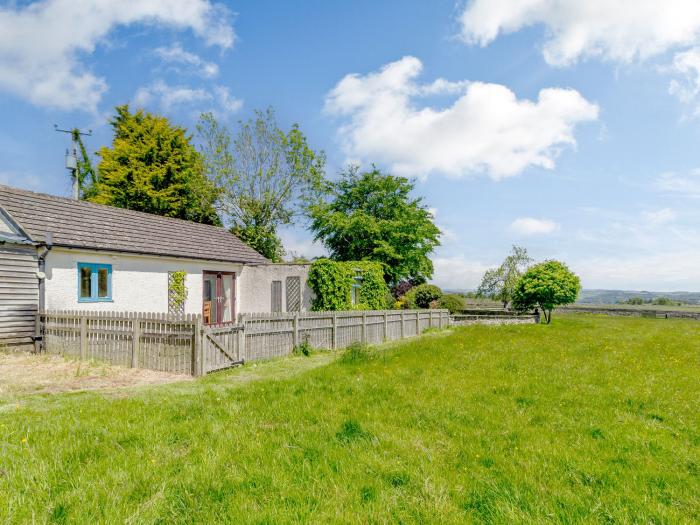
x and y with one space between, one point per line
254 180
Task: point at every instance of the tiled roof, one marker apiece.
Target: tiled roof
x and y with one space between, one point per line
79 224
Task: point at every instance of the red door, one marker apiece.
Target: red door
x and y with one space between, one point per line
219 297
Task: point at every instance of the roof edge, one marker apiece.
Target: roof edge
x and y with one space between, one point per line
155 254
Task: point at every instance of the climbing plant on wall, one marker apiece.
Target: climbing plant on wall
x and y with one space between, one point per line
333 282
177 292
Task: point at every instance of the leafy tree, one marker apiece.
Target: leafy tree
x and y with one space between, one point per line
263 240
372 216
267 177
546 285
153 167
499 283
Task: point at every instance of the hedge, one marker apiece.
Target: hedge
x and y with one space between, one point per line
332 282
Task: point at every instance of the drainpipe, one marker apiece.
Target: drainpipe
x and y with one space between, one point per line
44 250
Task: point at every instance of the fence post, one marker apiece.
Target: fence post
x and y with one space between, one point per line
295 330
440 321
386 326
135 342
83 337
402 327
198 354
364 327
241 344
38 340
335 331
417 323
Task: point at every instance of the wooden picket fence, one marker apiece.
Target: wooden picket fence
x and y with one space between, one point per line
184 345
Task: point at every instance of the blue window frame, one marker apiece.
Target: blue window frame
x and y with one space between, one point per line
94 282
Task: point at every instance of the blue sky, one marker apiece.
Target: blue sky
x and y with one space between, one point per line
567 127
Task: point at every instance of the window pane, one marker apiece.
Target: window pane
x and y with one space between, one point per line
103 282
85 282
227 303
209 308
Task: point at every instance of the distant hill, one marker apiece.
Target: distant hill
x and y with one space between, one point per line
595 296
616 296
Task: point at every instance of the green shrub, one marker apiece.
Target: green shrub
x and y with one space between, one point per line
357 353
304 348
452 302
332 283
421 296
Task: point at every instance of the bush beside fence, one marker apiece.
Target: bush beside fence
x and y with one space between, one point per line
184 345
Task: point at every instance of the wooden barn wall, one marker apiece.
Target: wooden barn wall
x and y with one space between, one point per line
19 293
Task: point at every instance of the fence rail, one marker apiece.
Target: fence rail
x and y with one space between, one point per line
182 344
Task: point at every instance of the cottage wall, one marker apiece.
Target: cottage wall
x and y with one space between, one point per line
139 283
255 286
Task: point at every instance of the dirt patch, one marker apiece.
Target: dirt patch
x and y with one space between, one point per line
22 373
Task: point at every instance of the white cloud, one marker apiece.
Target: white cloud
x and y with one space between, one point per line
175 54
616 30
228 103
43 45
457 273
532 226
683 184
686 66
487 129
169 97
663 216
671 270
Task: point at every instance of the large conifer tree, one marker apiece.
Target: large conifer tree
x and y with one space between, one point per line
152 166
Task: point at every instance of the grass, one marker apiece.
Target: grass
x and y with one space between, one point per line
591 419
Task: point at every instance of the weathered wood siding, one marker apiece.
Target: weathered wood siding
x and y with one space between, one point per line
19 293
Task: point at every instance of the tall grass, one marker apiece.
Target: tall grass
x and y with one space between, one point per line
590 419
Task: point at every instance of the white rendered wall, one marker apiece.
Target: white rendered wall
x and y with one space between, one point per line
139 283
255 286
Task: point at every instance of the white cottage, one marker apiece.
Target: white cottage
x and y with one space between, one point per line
58 253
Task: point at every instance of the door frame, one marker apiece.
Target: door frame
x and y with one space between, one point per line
220 295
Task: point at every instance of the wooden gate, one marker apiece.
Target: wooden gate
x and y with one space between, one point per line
222 347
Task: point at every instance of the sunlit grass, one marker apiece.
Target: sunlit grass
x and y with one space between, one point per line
592 419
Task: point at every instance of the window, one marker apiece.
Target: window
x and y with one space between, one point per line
94 282
276 296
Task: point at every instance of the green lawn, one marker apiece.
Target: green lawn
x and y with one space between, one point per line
591 419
